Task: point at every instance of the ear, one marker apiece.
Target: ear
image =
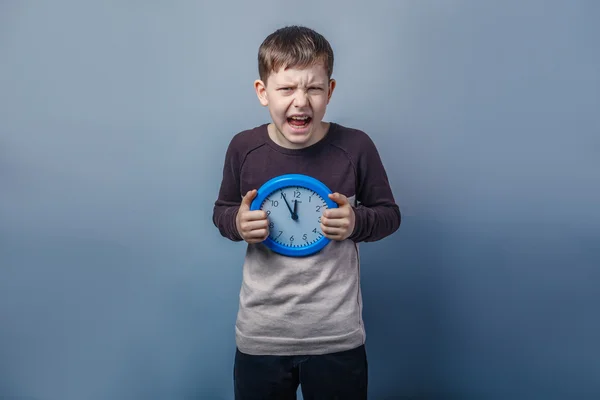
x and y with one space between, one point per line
332 84
261 92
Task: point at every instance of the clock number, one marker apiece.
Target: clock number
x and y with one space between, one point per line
319 208
297 194
282 195
309 197
305 237
280 232
292 238
319 219
315 230
268 212
271 225
274 203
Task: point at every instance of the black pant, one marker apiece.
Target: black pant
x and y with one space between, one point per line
341 375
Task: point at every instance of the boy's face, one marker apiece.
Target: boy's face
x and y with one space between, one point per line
297 100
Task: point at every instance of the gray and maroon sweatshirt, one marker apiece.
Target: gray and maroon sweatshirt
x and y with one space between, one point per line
305 305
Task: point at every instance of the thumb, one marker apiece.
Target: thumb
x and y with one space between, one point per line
339 198
247 200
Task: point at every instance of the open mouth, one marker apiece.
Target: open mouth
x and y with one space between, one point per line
299 121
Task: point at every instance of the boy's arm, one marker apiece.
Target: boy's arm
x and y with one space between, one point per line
377 215
229 199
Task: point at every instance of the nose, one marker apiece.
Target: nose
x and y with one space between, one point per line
301 99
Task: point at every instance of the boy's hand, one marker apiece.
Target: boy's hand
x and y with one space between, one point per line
253 226
338 223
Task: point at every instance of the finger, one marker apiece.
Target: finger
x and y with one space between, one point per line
335 222
334 237
247 199
339 198
336 213
254 215
255 240
248 226
332 231
258 234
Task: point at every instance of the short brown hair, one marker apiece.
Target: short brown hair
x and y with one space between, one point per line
293 46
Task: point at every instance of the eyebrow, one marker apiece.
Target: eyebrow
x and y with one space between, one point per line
287 84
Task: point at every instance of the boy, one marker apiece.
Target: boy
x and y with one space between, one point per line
300 318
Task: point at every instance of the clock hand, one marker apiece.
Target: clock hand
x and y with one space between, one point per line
294 217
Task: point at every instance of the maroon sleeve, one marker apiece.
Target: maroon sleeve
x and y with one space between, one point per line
377 214
229 199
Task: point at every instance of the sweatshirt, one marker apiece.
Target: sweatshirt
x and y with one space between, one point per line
305 305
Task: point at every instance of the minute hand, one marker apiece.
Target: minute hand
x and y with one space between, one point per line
294 216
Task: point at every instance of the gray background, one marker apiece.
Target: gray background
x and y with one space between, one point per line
114 120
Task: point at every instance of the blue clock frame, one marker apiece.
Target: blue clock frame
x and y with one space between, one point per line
280 182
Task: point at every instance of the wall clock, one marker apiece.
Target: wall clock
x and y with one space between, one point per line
294 204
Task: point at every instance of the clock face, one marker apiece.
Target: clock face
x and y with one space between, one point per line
294 214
